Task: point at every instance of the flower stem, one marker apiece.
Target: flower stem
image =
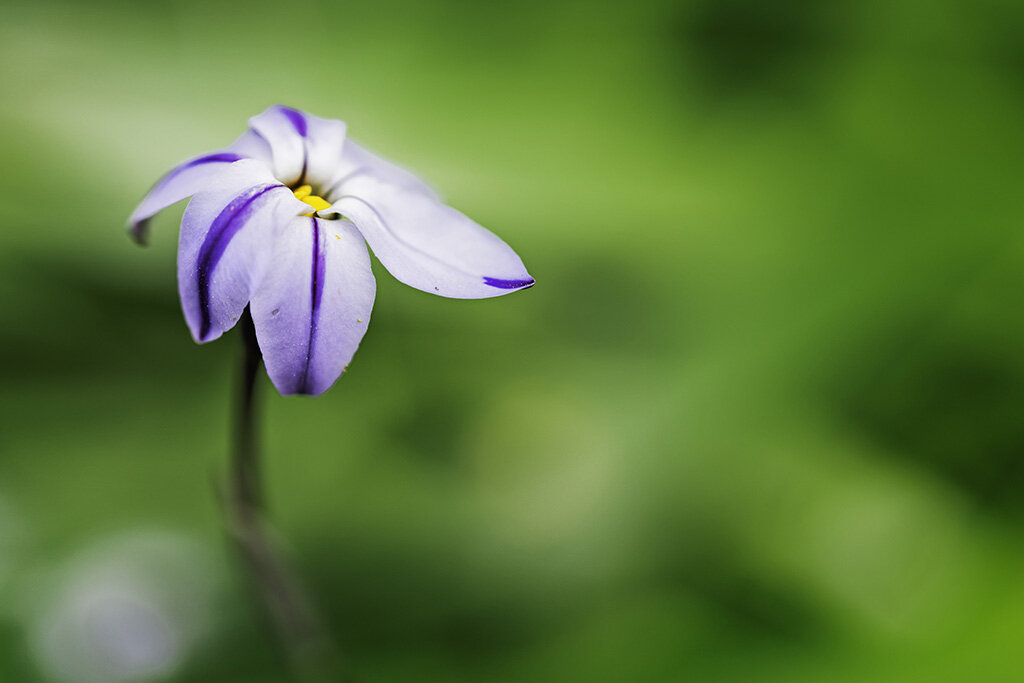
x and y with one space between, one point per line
245 455
293 621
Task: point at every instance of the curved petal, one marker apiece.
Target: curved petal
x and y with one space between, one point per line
357 160
227 238
252 145
189 177
306 148
314 304
428 245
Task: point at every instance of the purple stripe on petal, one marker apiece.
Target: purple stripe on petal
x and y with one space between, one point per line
296 118
318 272
298 121
219 156
227 223
508 284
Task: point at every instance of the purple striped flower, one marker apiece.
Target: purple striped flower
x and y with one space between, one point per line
280 221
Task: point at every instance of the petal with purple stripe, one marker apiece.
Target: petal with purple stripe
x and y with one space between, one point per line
186 179
306 149
314 304
508 284
227 237
428 245
296 118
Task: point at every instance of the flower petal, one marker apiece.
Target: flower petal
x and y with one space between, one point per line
190 177
252 145
357 160
428 245
314 304
306 148
227 238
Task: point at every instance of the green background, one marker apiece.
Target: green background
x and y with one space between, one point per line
761 418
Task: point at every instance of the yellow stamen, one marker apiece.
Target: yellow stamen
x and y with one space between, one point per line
305 193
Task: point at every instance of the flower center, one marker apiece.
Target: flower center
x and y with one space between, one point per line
305 193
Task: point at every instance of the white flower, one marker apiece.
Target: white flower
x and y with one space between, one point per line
278 223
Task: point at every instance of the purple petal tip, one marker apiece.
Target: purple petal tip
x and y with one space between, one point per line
508 284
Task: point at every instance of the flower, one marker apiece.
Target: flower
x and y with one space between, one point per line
280 221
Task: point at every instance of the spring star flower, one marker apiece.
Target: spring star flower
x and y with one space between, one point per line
280 221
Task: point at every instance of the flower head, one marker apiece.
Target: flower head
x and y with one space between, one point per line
280 221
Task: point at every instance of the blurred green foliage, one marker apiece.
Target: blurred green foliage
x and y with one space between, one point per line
759 420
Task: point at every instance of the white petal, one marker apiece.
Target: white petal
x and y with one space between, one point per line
226 241
189 177
306 148
357 160
314 304
428 245
253 146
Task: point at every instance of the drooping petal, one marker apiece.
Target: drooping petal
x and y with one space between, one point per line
227 239
189 177
314 304
306 148
428 245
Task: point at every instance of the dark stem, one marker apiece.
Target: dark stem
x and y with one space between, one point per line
284 604
245 455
